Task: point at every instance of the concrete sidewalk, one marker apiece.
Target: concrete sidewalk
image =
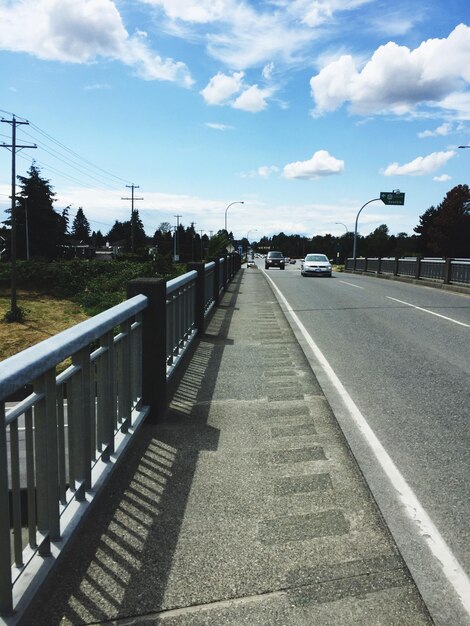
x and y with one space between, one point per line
245 507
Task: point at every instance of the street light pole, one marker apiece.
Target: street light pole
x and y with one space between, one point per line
355 227
236 202
337 249
252 230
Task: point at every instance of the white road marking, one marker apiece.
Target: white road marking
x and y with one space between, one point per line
444 317
350 284
450 566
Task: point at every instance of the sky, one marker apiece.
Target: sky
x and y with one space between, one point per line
302 110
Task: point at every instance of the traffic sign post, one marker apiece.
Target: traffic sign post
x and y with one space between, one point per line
395 197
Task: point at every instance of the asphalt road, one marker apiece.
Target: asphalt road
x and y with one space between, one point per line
407 370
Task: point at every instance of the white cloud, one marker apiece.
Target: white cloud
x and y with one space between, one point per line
421 166
440 131
268 71
217 126
97 86
265 171
222 87
399 80
316 12
321 164
252 99
443 178
238 33
82 31
194 11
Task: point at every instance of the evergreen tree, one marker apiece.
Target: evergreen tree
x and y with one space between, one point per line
97 239
445 230
120 233
450 232
163 239
424 230
80 227
40 229
218 244
138 236
378 242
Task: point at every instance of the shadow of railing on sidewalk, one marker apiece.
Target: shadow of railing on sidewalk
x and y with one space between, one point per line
120 562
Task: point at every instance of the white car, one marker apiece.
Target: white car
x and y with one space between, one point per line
315 265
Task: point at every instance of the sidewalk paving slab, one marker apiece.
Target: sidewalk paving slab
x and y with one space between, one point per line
244 506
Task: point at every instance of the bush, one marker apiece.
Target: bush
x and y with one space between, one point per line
95 285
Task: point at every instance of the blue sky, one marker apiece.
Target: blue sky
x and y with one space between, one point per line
303 109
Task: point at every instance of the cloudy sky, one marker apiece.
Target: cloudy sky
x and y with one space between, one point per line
304 110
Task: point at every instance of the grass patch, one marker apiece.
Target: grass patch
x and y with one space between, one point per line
44 317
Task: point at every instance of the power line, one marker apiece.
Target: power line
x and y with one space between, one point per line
75 154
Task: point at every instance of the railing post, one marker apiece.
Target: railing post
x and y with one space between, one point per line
396 266
200 290
418 267
447 270
154 389
47 467
216 279
6 600
379 265
225 272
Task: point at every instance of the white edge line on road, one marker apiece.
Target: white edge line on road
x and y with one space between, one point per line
350 284
444 317
451 568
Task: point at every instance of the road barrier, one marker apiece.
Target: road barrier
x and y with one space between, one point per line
448 271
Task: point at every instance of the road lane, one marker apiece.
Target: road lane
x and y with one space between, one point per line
407 371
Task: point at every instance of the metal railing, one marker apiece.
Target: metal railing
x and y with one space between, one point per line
447 271
70 405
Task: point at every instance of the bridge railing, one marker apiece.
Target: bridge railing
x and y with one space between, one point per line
447 271
70 405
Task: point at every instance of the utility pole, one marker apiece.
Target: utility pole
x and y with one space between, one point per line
193 224
175 250
15 313
132 199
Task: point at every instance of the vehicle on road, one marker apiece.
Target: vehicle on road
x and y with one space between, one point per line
274 259
251 263
315 265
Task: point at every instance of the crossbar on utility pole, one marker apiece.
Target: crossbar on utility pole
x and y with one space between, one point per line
14 147
132 199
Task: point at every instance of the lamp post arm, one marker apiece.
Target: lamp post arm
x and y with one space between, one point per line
355 226
236 202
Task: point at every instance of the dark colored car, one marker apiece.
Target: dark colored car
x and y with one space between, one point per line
274 259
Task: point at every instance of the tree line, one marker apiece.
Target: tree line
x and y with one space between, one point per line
42 232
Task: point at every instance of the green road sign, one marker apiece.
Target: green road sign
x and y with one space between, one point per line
392 197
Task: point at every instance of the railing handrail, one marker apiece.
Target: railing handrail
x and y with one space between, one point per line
19 369
178 282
